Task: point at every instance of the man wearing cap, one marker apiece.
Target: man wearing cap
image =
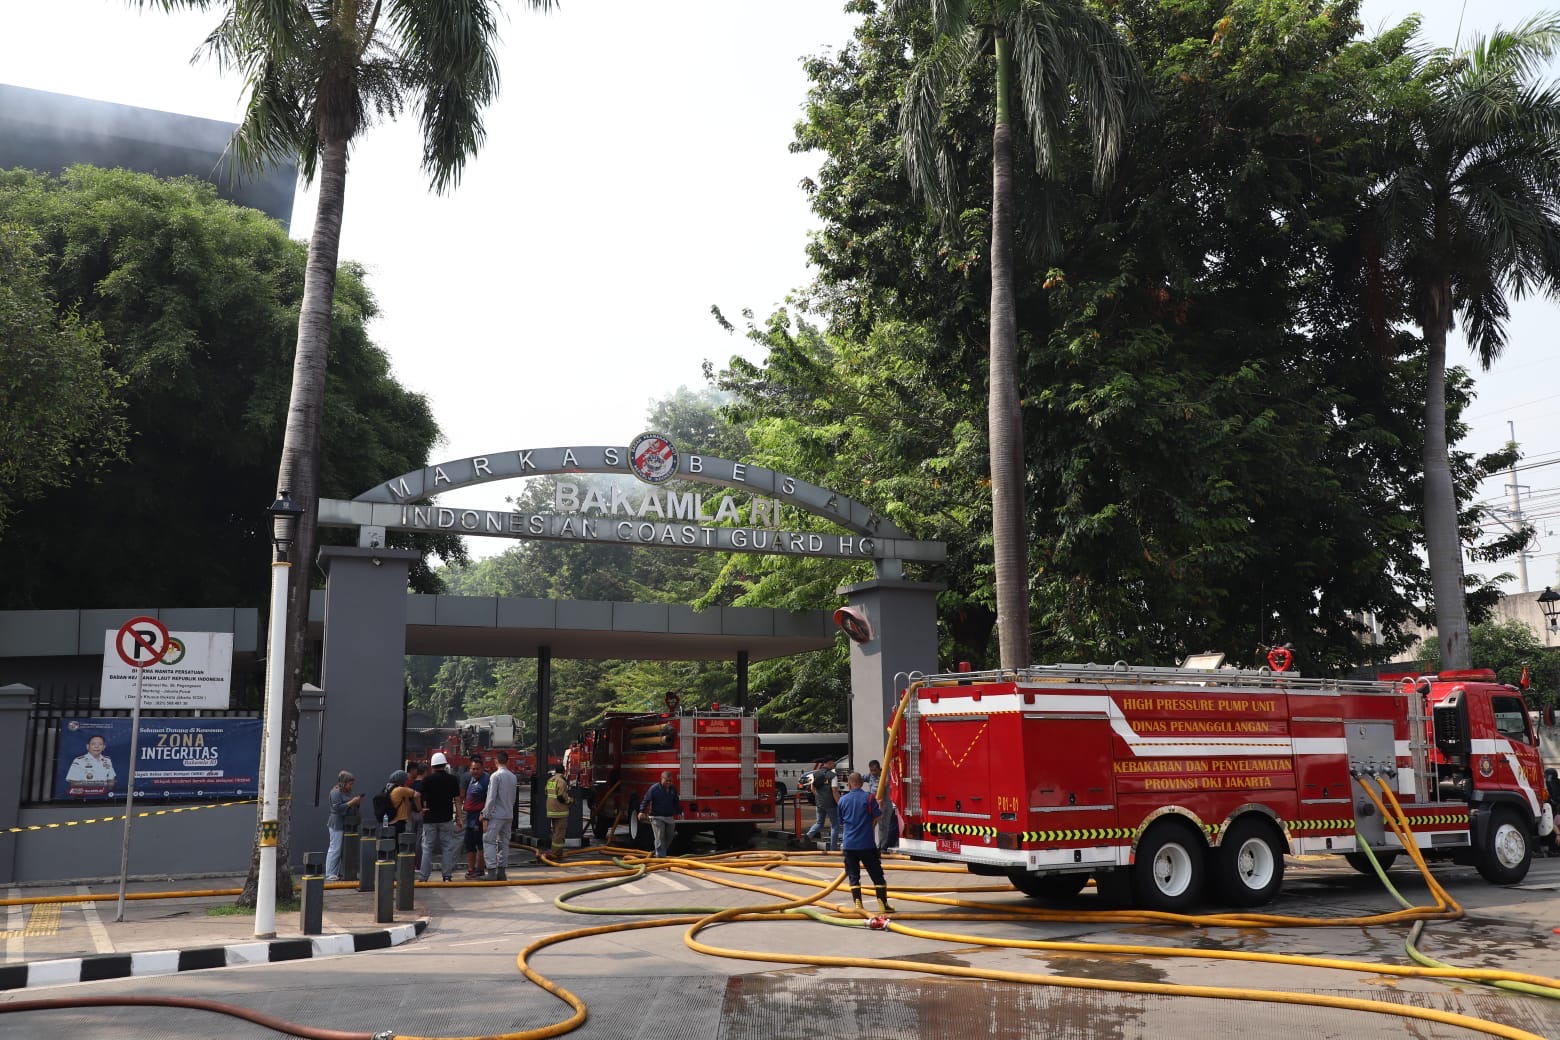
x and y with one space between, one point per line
343 803
440 793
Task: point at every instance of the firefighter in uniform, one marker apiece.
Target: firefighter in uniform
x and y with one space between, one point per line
558 802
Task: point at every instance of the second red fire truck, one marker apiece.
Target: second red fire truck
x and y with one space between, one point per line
725 781
1173 785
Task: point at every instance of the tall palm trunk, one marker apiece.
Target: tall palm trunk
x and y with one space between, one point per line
300 473
1004 415
1443 544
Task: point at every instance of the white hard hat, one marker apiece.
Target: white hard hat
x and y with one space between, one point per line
438 759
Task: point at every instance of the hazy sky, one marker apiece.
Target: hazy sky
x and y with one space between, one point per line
636 172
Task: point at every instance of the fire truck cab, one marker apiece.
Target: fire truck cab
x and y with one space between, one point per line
1171 786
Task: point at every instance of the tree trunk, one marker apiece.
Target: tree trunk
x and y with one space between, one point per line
1004 415
1443 542
300 474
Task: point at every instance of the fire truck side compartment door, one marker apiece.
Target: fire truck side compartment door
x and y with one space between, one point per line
1067 763
1371 748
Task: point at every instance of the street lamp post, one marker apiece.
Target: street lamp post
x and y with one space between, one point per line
1549 603
284 522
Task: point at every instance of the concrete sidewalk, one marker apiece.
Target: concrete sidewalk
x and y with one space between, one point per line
167 928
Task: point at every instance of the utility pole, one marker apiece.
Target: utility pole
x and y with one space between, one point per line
1516 511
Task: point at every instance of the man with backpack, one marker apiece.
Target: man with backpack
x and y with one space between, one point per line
396 804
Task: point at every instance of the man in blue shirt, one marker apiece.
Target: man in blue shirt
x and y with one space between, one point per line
857 811
661 807
476 798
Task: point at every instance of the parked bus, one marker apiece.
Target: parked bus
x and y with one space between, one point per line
796 753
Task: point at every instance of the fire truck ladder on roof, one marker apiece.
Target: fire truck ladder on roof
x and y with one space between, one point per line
1122 673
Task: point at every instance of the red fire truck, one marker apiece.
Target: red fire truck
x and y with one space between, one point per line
1170 785
479 738
726 783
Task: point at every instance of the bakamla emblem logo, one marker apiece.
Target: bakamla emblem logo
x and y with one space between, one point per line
652 458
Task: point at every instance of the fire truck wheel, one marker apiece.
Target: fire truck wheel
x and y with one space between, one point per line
1506 853
1250 863
1052 887
1358 861
1168 873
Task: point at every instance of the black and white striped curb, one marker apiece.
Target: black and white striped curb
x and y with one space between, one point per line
169 962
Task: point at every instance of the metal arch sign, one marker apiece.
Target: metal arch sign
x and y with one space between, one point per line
420 484
659 515
142 641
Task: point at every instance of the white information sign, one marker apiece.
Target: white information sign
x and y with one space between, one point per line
195 673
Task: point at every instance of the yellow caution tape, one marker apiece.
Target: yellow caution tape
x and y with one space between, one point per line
121 816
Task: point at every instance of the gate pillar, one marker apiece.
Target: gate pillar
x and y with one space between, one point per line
902 616
363 665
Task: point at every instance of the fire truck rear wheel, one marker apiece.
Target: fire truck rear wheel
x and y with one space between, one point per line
1168 872
1506 853
1052 887
1250 863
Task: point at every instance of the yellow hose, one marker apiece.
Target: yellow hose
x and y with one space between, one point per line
756 872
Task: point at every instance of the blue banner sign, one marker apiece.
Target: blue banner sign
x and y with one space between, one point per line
178 758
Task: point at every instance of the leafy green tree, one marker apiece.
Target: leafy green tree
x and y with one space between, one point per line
1509 647
316 74
1052 58
1467 212
196 300
1216 462
60 411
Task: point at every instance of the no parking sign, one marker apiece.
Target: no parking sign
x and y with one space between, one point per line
179 671
142 641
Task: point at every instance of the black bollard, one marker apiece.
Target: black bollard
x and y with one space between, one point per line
406 872
311 918
349 848
384 888
365 874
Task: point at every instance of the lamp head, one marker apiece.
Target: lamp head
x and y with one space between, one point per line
1549 603
284 522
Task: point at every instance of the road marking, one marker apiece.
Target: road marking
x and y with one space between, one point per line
100 937
667 881
499 938
526 895
44 920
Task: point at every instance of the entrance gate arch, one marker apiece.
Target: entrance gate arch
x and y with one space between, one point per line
367 613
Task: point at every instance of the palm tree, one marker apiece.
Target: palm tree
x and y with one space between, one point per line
1469 211
1060 59
317 73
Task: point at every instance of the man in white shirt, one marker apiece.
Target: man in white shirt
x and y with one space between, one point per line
498 817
